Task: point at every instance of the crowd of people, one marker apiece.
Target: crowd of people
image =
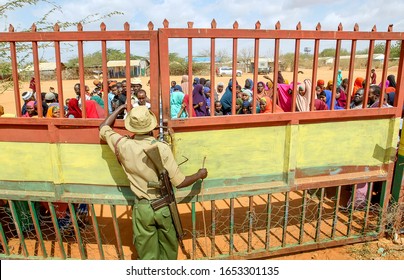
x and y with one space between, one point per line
202 97
94 102
202 92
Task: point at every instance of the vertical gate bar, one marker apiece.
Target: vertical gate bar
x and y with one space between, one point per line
268 228
255 75
97 231
3 239
398 101
212 70
117 232
335 74
193 216
77 231
213 217
285 219
250 221
351 68
14 68
155 85
190 78
336 211
276 63
163 72
57 230
386 63
368 202
59 71
81 73
231 233
315 68
383 207
37 74
368 67
295 70
37 227
351 210
127 70
320 215
234 72
17 224
105 86
303 217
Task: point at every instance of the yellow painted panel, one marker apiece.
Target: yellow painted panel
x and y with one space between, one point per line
26 161
91 164
230 154
233 153
346 143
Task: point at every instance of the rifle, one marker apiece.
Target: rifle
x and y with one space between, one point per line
167 192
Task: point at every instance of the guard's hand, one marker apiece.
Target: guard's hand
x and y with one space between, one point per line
203 173
121 108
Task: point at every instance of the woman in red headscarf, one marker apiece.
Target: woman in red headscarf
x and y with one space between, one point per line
91 110
74 110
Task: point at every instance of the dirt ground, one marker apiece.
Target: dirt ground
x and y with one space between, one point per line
7 98
383 249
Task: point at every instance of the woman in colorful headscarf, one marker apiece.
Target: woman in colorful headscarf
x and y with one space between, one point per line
53 112
392 80
357 85
196 82
74 110
199 101
339 78
184 84
91 110
341 99
329 85
239 105
266 105
176 103
31 110
98 99
227 99
248 84
303 96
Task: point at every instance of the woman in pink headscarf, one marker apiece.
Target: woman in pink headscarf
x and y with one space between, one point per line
31 110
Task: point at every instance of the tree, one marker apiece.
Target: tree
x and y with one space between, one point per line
95 59
330 52
42 24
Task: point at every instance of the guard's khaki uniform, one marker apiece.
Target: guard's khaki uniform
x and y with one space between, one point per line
154 233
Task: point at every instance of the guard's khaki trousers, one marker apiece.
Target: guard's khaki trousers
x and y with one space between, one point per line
154 233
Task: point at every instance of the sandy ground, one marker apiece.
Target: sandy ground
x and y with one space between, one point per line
7 98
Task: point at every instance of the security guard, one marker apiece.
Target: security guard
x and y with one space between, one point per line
154 233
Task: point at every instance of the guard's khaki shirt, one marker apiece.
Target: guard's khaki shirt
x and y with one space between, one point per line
137 166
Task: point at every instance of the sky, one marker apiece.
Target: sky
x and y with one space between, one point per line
288 12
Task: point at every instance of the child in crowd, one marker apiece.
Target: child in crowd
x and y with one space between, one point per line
218 108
